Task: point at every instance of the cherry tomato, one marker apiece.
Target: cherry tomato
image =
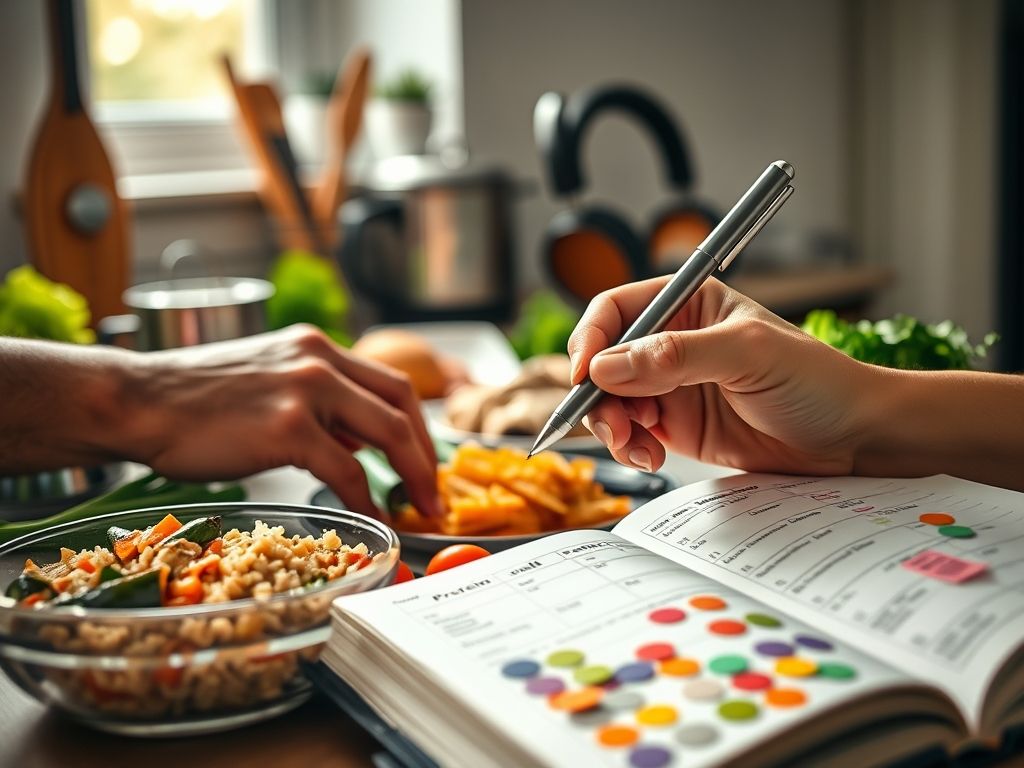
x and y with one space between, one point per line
404 573
456 554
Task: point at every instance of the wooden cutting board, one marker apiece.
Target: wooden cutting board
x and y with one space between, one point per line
76 224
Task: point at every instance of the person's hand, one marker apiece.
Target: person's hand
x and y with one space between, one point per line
291 397
727 382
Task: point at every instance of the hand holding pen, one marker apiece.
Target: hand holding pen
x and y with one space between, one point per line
732 234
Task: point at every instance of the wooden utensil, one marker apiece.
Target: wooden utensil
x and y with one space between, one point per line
344 118
281 188
76 224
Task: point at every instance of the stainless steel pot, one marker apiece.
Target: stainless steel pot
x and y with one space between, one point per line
188 311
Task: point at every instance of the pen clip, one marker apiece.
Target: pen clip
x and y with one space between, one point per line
756 227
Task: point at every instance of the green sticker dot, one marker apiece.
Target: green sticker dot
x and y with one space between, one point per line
763 620
566 658
594 675
728 665
737 710
957 531
836 671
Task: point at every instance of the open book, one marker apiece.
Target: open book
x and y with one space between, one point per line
751 620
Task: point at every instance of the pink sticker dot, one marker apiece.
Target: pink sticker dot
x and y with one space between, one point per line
666 616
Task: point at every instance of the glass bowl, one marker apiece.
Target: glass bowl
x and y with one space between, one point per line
180 670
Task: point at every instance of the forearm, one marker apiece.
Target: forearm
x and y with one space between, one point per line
60 404
961 423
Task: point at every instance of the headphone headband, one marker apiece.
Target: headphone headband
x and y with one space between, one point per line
560 126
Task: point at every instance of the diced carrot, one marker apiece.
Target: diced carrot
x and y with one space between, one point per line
85 563
215 547
35 597
61 583
190 589
159 532
365 561
127 549
168 676
209 563
353 557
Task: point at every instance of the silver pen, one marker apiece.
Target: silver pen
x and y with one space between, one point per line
731 236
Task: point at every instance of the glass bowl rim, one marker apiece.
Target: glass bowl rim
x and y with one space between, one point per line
73 613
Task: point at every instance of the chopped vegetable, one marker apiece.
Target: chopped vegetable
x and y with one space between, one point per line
33 307
901 342
157 533
308 289
216 547
140 590
185 591
124 542
200 531
109 573
25 585
85 563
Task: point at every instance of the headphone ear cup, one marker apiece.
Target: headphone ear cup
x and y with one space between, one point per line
677 231
590 251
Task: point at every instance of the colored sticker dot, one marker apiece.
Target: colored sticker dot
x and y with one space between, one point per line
836 671
727 627
649 757
697 735
680 667
707 603
728 665
774 648
520 668
617 736
814 643
566 658
594 675
545 686
763 620
592 718
666 616
657 715
956 531
751 681
937 518
703 690
621 701
576 701
785 697
655 652
635 673
738 709
794 666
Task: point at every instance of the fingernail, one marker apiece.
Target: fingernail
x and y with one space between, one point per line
613 367
641 457
602 431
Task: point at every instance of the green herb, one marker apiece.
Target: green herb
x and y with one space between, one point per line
150 491
33 307
900 342
309 290
409 85
544 326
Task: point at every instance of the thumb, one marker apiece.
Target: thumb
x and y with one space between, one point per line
661 362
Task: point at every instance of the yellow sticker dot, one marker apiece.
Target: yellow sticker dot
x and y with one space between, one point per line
657 714
679 667
794 666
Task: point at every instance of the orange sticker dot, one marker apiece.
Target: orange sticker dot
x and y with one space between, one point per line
578 700
679 667
707 603
657 714
785 697
794 666
617 736
727 627
937 518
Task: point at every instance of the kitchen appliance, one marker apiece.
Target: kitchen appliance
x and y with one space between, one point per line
426 242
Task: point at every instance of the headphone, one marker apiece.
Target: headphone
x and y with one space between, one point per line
591 249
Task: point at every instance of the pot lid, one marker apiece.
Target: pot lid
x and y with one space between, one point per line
198 292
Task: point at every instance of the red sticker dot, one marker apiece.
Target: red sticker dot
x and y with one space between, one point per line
751 681
666 615
727 627
655 652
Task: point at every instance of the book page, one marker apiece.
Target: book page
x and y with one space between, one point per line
830 551
533 638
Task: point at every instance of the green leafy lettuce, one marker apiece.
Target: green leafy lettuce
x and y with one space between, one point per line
309 290
899 342
544 326
33 307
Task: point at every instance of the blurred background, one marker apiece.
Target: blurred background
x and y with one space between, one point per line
901 117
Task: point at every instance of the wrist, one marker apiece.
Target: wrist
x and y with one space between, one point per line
885 421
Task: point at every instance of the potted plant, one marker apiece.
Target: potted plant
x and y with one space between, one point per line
305 116
398 117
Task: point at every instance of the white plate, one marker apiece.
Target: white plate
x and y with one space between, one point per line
433 412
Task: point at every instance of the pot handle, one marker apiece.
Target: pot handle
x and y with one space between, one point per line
355 217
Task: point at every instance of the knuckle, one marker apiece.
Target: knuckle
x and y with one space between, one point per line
290 417
312 373
309 338
755 332
666 351
397 428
